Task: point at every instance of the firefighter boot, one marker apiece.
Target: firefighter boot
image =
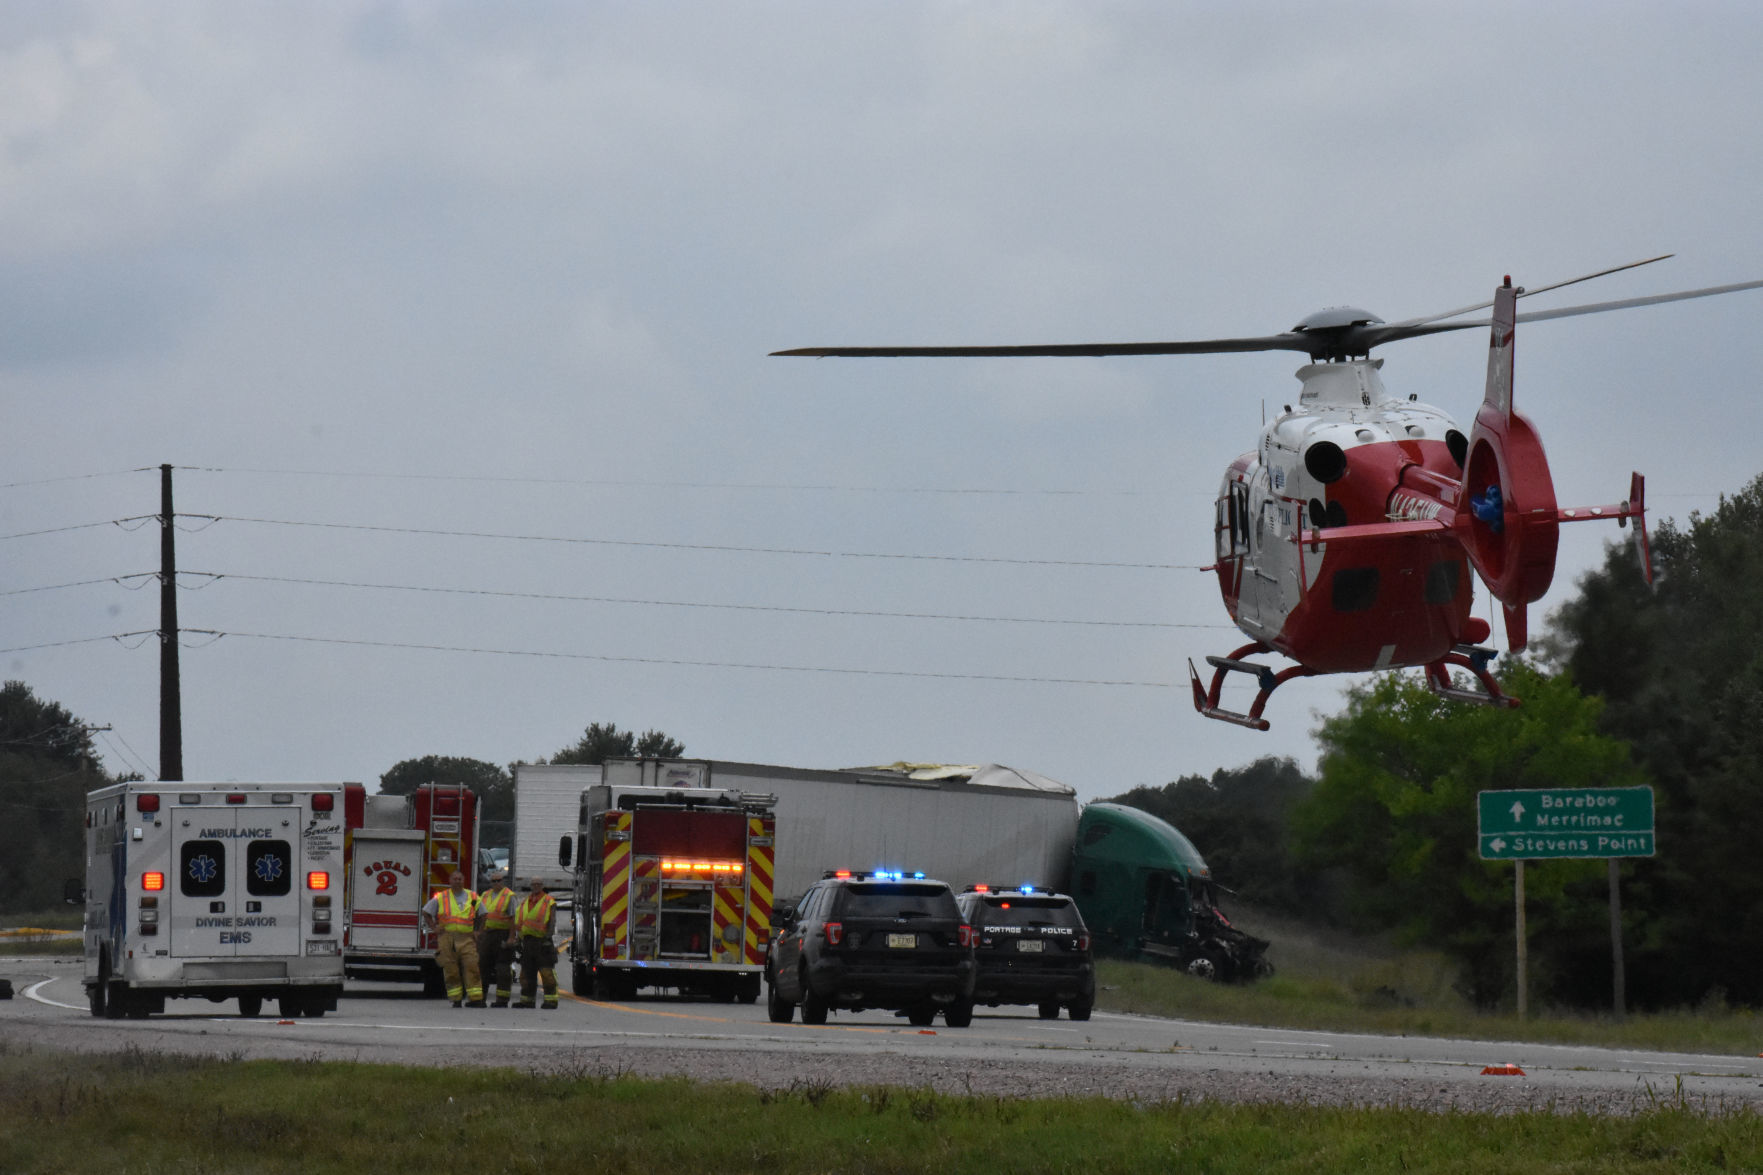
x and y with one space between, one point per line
523 1003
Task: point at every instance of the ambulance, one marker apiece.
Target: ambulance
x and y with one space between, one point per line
216 891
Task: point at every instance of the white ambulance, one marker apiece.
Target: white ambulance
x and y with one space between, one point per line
217 891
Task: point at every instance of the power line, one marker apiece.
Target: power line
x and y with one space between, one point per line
614 658
997 491
702 604
719 547
607 657
25 534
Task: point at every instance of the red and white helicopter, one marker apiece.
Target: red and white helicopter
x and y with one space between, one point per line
1343 541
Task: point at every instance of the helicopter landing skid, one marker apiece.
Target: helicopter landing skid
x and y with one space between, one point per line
1206 700
1475 660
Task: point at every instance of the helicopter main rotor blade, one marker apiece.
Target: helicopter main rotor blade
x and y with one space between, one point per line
1289 341
1525 293
1373 336
1626 303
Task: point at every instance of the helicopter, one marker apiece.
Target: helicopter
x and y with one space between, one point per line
1343 542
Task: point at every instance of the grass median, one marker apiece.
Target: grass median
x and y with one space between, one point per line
1332 984
141 1111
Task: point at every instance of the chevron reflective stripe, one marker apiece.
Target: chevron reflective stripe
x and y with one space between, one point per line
760 829
646 897
615 885
725 911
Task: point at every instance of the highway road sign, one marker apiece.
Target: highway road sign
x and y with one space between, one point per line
1542 823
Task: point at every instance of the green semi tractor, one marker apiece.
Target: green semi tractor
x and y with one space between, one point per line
1146 893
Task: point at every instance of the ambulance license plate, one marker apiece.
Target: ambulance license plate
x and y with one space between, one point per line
1032 945
909 941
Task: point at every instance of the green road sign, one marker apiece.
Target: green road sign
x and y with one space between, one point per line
1565 822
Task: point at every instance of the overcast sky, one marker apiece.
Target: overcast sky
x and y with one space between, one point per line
456 317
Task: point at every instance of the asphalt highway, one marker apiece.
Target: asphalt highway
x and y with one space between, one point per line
1005 1051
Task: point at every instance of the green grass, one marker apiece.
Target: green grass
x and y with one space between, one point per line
1330 983
142 1112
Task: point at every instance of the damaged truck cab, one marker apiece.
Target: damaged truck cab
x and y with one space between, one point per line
1146 893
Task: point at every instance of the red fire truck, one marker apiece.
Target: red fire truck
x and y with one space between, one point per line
399 852
672 889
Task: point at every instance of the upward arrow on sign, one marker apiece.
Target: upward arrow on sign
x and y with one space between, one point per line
1517 811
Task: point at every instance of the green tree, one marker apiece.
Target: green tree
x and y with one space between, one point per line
600 742
494 785
1239 819
1394 810
47 765
1680 668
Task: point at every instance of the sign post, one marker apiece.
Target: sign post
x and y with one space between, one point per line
1566 823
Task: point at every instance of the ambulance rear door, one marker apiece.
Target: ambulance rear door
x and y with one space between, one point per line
235 886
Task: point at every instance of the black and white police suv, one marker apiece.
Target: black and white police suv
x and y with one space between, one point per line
886 939
1030 947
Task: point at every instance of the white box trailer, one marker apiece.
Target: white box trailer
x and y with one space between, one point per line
962 825
217 891
547 807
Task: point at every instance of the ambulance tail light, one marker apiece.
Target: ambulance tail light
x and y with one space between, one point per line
318 879
324 802
153 882
835 933
147 802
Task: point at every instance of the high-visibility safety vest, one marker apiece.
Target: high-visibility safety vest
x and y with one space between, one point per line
498 907
457 914
533 917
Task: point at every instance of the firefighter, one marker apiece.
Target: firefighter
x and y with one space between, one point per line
495 942
456 913
535 921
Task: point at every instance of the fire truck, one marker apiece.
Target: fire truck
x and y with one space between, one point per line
672 885
400 851
212 890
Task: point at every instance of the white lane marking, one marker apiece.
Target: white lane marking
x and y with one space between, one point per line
34 992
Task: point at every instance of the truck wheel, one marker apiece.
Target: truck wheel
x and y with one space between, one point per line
1049 1009
747 989
96 992
814 1007
1081 1010
292 1007
250 1005
921 1015
116 1001
1204 966
958 1014
780 1010
581 979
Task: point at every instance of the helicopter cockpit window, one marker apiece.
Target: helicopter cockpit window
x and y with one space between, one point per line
1232 529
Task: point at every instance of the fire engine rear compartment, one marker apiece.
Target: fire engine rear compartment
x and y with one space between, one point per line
673 889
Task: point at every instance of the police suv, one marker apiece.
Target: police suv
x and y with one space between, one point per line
885 939
1030 947
215 890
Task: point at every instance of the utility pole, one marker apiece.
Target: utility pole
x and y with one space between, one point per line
171 718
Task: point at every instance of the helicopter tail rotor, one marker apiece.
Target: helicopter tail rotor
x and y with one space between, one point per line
1508 509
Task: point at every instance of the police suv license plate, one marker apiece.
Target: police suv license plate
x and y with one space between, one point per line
909 941
1032 945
